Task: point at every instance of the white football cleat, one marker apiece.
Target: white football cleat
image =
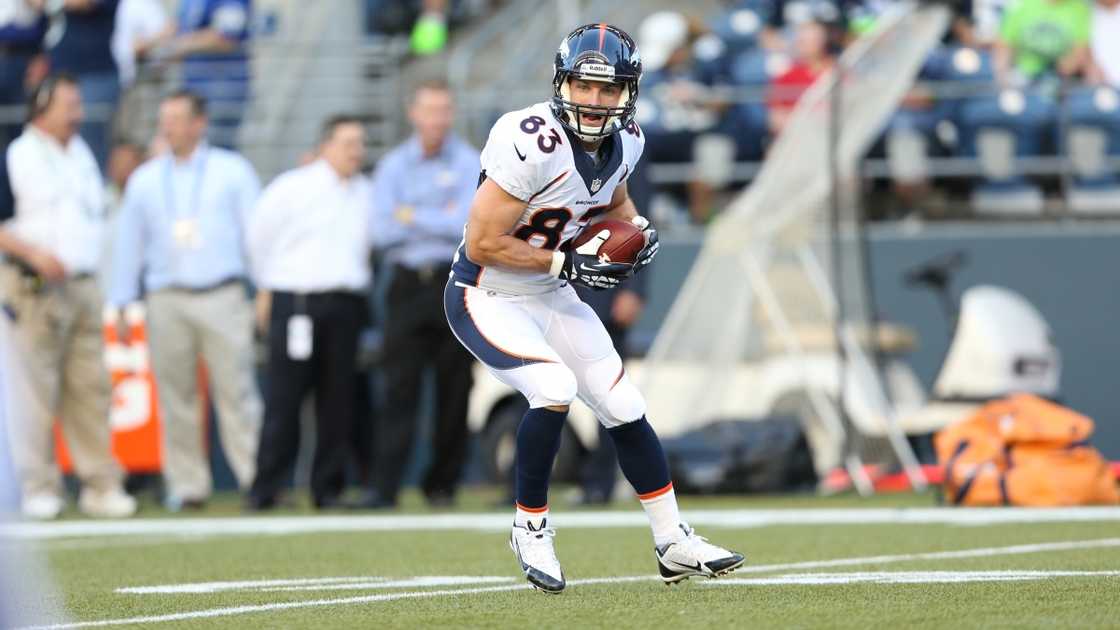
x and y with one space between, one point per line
694 555
42 507
534 550
114 503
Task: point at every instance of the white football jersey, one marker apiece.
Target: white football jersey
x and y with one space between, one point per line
534 158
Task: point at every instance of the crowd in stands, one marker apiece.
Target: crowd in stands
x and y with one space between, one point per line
104 43
1011 79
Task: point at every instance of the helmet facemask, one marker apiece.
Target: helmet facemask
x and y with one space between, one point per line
614 118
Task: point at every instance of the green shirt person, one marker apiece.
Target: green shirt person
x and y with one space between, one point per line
1040 36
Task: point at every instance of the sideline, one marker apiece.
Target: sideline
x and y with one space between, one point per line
492 521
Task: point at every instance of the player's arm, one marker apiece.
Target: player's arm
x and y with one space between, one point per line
622 207
493 215
489 244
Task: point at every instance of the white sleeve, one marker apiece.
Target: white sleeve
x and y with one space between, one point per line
634 142
30 178
261 226
513 162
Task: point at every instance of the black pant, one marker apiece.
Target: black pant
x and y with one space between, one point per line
337 319
417 336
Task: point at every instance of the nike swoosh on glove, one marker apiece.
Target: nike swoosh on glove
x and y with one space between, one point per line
646 254
583 267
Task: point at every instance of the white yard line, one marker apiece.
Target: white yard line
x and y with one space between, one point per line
289 525
937 555
906 577
368 599
313 584
218 587
243 610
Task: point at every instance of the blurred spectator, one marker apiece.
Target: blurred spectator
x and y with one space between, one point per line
182 228
141 26
422 194
308 240
21 39
429 34
212 41
677 106
426 21
1042 38
619 310
985 17
814 56
1105 43
54 305
124 159
784 17
78 42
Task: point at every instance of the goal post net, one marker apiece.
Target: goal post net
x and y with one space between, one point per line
776 310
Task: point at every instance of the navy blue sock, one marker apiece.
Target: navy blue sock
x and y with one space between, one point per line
538 440
640 456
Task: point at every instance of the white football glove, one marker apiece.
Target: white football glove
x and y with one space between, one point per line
583 267
645 256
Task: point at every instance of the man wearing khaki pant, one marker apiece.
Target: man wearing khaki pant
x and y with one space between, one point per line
181 229
53 306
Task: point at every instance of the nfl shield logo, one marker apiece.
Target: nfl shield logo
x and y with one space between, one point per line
596 184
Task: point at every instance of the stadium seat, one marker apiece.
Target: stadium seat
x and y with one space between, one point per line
962 63
738 27
997 130
962 66
1092 139
757 67
911 134
747 121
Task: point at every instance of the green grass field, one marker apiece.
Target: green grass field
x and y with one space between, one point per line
1000 583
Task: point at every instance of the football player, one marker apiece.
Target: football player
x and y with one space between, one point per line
549 171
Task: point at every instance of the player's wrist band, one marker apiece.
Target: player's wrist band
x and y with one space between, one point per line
557 264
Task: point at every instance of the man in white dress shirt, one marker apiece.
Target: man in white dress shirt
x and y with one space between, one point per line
309 247
51 298
182 229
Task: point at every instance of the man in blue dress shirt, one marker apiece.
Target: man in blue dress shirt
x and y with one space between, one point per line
422 194
181 229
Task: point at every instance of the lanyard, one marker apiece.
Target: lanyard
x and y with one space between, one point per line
196 188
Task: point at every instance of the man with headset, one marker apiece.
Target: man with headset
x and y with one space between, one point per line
53 305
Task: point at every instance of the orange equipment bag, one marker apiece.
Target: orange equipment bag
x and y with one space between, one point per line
1023 450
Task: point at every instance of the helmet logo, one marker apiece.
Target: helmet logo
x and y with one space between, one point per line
597 70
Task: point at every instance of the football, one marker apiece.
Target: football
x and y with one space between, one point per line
623 245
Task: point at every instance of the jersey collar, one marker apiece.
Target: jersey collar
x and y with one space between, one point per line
595 177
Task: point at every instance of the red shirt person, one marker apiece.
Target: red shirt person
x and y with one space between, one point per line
813 59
